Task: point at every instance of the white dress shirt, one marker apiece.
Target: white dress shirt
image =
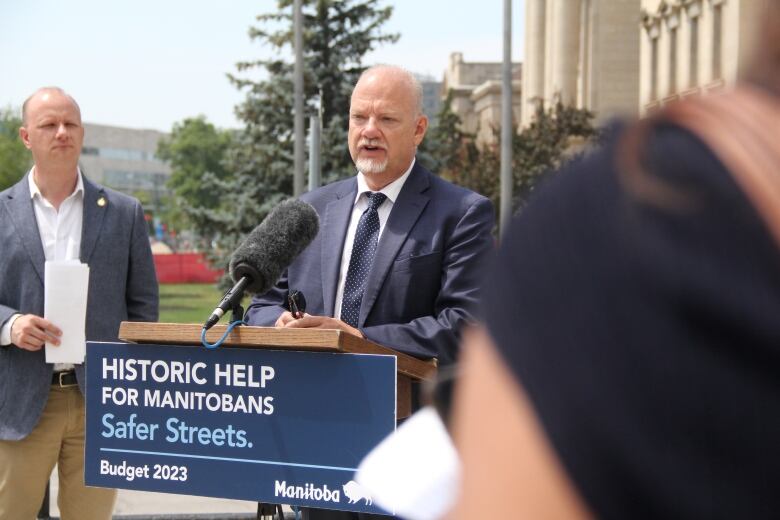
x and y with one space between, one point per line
361 203
60 232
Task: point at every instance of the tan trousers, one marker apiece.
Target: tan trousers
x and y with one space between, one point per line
26 465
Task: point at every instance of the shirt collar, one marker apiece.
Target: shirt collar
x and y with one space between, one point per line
35 191
391 190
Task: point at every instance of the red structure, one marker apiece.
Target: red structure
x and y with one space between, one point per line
185 268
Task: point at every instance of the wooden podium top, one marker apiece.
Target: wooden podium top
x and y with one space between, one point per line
323 340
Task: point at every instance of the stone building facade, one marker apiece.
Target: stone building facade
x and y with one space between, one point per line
613 57
476 95
690 47
586 52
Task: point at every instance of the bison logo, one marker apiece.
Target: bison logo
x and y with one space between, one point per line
354 492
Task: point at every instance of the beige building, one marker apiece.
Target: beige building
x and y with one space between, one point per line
613 57
476 95
124 159
689 47
431 96
586 52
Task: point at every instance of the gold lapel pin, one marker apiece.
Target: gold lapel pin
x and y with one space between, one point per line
101 201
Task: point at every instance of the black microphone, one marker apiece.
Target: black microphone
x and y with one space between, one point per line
258 262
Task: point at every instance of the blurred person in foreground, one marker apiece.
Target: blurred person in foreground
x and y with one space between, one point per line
54 214
634 370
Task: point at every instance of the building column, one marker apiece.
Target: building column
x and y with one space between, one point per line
534 61
565 49
583 78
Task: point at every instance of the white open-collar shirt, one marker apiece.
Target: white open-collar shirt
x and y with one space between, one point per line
60 229
60 232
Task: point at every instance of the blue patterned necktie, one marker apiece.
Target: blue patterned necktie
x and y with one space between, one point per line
362 257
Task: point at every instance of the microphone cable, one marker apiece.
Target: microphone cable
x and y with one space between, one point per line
220 341
296 304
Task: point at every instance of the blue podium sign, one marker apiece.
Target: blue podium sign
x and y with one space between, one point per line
285 427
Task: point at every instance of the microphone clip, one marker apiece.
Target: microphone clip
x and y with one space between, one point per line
296 304
237 314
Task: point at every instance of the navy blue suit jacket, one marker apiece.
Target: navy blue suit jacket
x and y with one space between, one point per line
424 282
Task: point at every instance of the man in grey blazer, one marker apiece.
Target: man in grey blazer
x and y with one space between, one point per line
55 213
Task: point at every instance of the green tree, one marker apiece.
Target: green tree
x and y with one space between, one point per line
444 142
15 159
337 35
457 156
553 138
196 152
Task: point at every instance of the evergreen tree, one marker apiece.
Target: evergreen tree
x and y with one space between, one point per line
337 35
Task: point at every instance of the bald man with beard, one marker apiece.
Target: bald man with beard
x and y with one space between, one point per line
420 281
412 283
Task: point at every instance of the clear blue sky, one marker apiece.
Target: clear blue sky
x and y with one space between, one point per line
150 63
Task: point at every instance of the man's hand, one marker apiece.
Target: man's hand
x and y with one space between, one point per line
286 320
31 332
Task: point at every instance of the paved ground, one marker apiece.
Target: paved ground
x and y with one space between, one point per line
143 503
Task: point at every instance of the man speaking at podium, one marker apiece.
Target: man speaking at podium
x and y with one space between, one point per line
399 252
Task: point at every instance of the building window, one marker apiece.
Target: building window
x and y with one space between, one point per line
694 58
124 154
717 43
135 180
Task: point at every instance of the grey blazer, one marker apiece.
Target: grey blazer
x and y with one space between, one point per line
424 283
122 286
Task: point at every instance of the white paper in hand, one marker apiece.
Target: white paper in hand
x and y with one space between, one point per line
65 305
414 471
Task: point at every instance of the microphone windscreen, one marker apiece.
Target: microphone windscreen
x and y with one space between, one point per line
273 245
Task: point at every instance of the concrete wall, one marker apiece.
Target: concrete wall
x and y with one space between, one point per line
610 81
476 89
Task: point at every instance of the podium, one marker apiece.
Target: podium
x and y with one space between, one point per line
318 340
272 415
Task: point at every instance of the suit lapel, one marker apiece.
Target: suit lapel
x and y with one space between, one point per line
94 212
334 231
19 207
406 210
